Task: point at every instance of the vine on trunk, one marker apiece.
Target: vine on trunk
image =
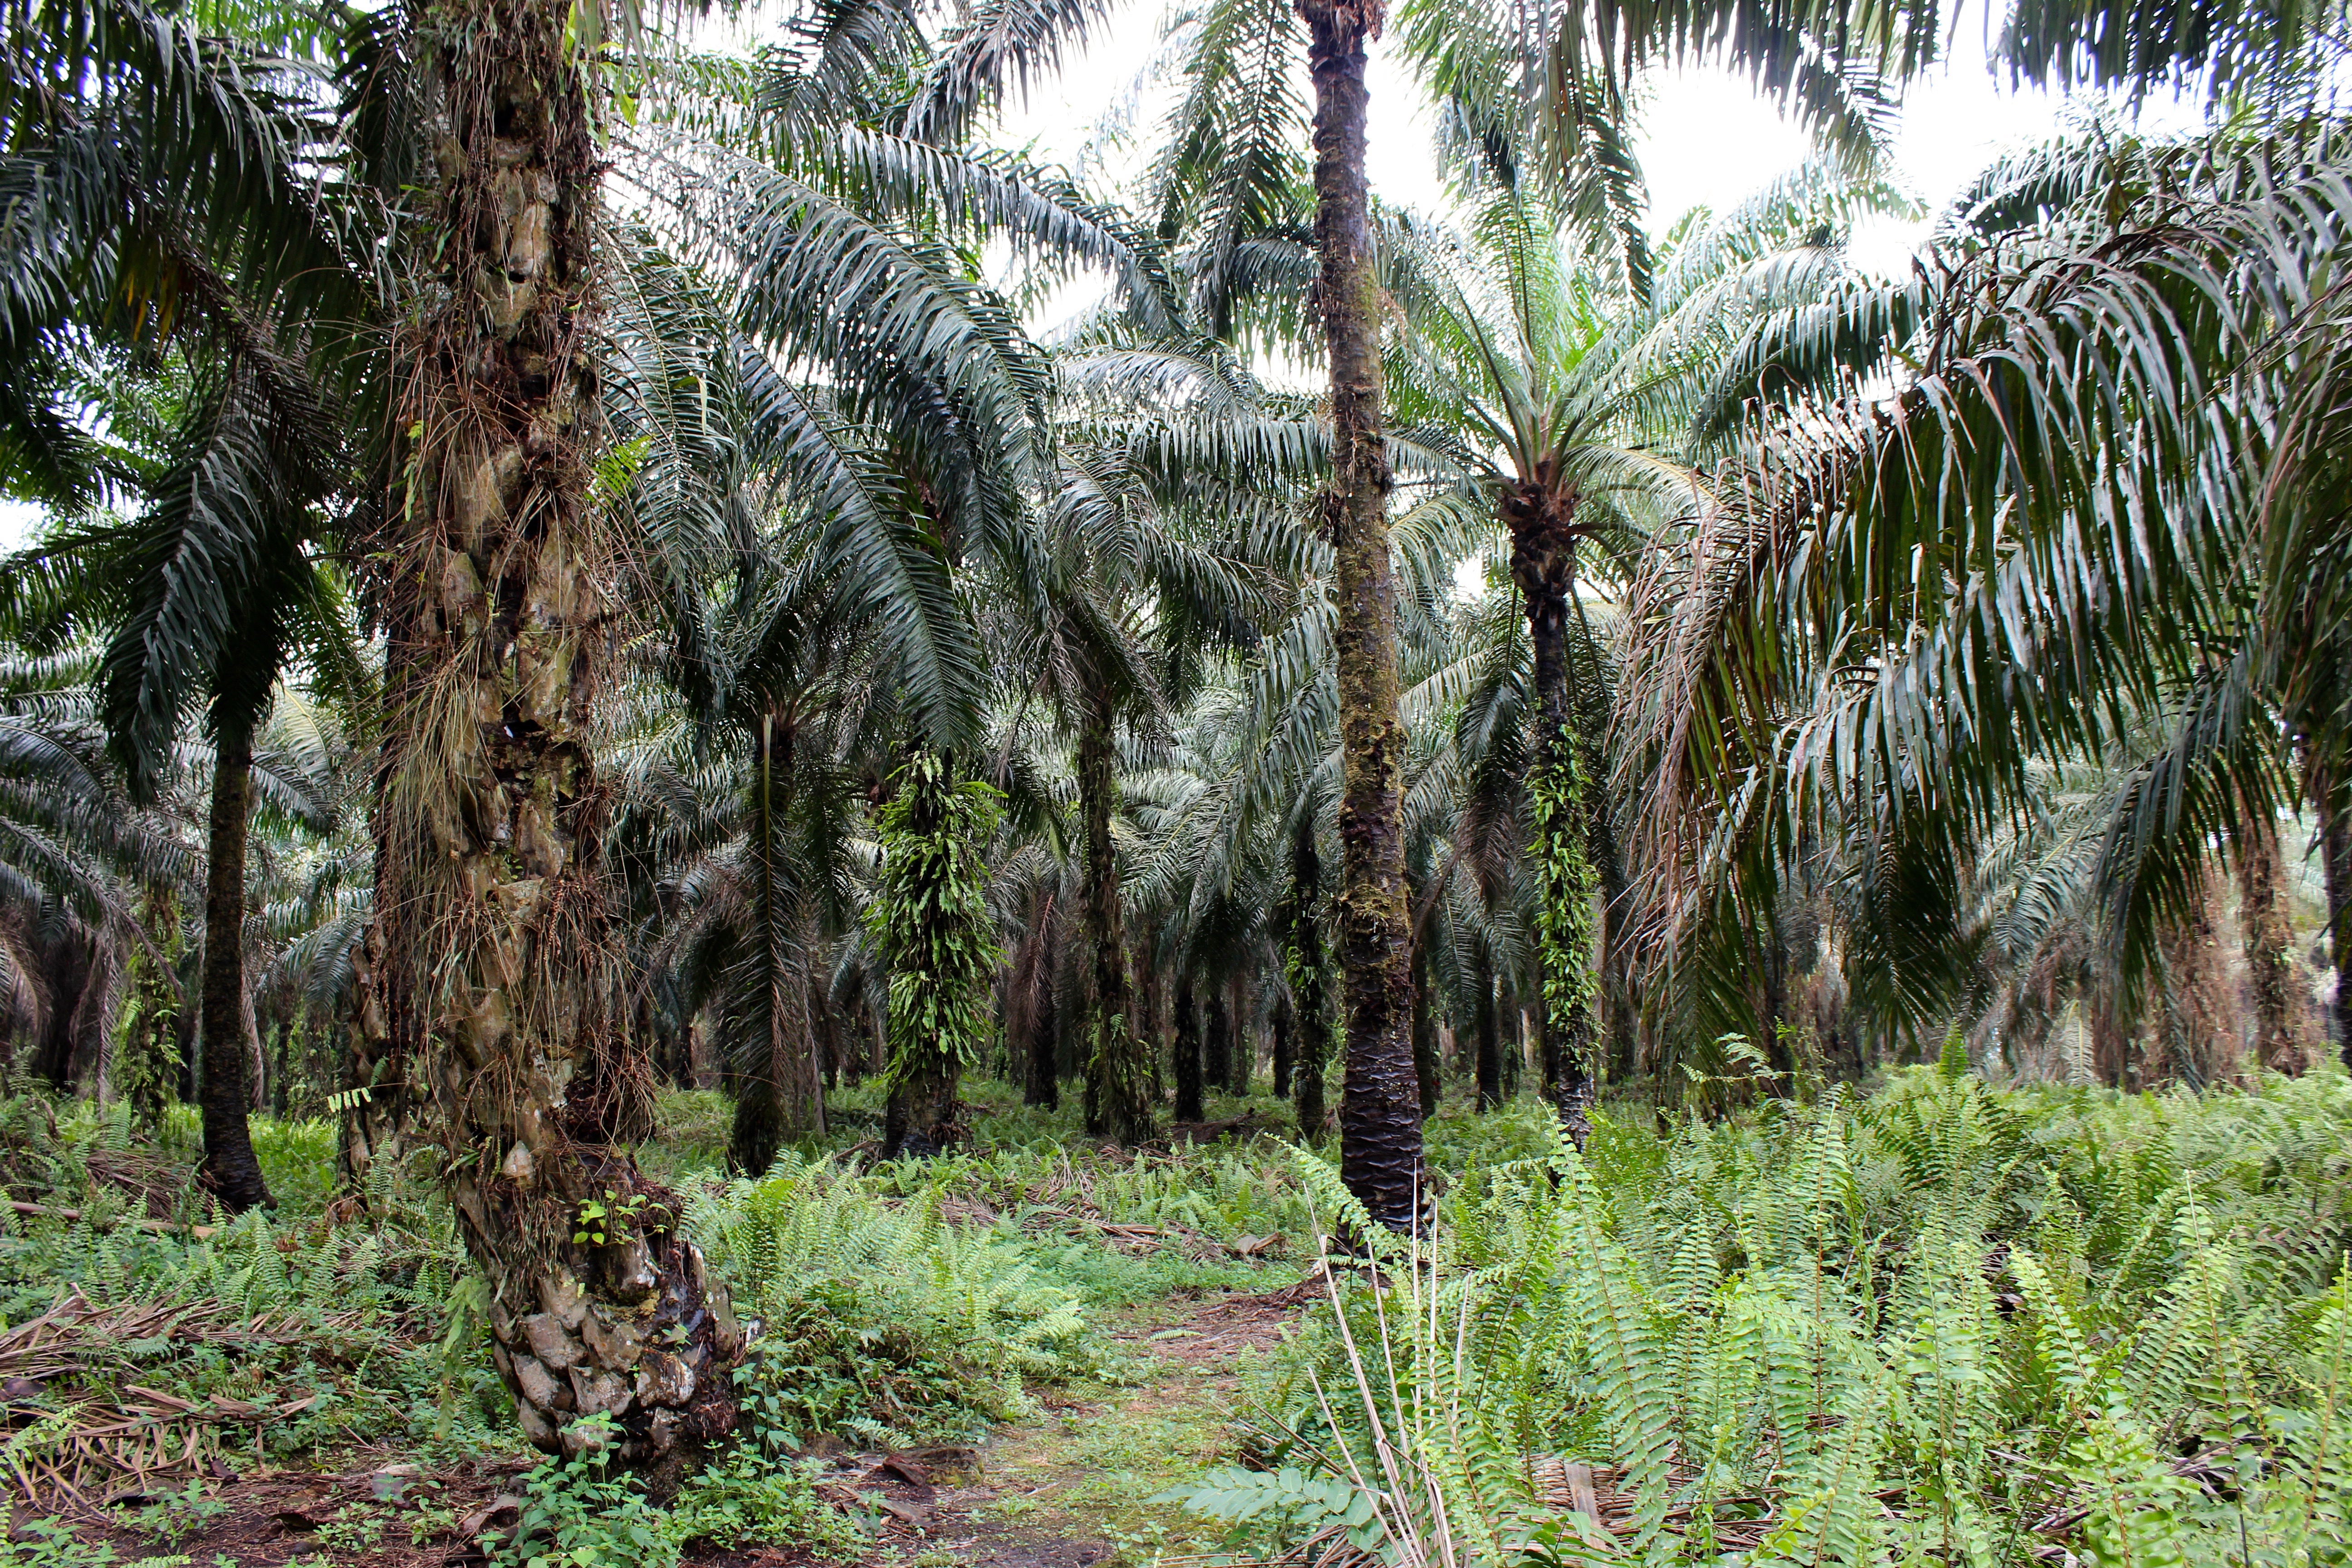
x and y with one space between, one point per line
929 917
1565 881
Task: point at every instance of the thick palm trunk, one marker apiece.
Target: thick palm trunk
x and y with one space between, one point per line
230 1172
2268 939
1540 517
1379 1120
1187 1053
1307 985
499 585
1118 1074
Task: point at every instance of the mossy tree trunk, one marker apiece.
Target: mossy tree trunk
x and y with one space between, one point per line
1309 987
1540 516
497 583
1380 1109
230 1172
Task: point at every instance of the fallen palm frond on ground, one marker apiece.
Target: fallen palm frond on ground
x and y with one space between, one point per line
81 1436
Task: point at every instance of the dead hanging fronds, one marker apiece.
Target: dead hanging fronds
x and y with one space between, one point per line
93 1439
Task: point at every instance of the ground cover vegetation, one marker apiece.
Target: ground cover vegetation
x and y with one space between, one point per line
1532 882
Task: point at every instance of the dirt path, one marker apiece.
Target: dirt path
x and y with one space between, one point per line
1070 1488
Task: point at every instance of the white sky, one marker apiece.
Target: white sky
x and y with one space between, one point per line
1706 138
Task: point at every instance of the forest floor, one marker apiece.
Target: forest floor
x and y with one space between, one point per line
1072 1488
1071 1483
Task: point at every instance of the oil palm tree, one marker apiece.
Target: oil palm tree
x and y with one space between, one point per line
2151 550
1567 399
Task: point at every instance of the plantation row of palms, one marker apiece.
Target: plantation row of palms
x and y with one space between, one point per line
564 548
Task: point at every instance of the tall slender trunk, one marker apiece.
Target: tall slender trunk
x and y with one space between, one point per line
1379 1120
1490 1041
1187 1052
1119 1073
1217 1060
2333 805
1540 515
1239 1005
1424 1030
2268 939
229 1172
1282 1023
499 584
784 1077
1044 1084
1309 981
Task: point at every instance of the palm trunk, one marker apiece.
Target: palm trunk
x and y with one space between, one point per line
499 585
758 1129
1045 1085
2335 813
2268 939
1280 1021
1424 1032
1217 1062
1307 983
1540 517
230 1172
1187 1053
2198 1014
1490 1044
1379 1120
1119 1073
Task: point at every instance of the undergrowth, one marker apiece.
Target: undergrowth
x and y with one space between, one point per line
1941 1324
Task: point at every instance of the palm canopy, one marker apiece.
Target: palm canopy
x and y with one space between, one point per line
2068 527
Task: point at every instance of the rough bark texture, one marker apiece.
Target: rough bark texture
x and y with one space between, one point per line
2199 1013
1119 1073
1308 985
2268 938
229 1172
499 599
1540 516
1380 1119
1490 1038
1187 1053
